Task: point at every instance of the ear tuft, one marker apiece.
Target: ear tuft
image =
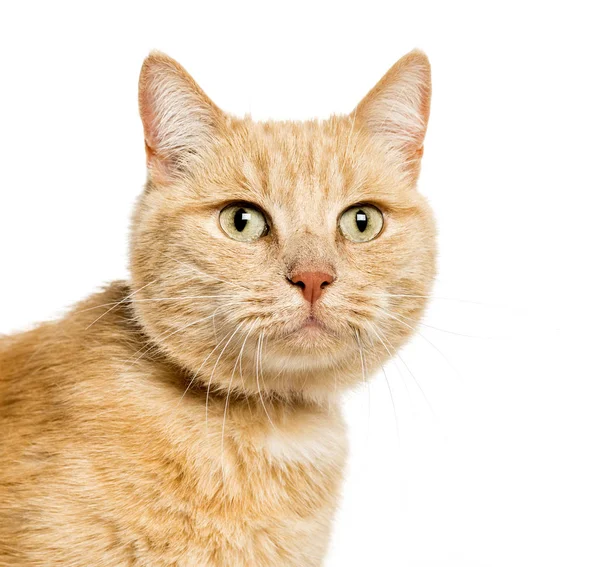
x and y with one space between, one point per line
179 119
397 108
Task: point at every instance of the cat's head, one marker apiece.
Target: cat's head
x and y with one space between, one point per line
287 257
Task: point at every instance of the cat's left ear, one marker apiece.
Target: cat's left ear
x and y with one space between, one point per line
180 121
396 110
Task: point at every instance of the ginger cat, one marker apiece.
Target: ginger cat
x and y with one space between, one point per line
190 416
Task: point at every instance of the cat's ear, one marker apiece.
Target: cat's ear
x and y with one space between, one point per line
397 108
180 121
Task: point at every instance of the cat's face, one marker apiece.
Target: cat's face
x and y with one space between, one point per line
293 258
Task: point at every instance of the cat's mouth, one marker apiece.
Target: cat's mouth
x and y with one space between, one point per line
312 328
306 331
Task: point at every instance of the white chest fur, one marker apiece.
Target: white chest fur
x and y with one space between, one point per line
305 440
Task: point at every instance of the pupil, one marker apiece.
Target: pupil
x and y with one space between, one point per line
361 221
240 219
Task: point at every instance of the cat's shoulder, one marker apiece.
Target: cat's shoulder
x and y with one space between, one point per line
100 329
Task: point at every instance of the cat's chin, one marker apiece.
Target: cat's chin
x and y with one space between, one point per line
311 346
282 362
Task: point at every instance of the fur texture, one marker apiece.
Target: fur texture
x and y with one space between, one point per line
191 415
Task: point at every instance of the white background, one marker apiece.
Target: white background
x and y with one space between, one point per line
496 462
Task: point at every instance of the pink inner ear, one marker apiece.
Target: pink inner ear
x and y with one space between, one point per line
157 163
397 108
176 115
148 117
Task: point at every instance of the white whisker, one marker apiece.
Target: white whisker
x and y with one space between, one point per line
215 367
238 361
389 387
364 377
199 271
411 375
391 355
145 349
258 352
119 303
400 320
183 297
443 298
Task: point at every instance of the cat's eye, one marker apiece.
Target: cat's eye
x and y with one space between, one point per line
245 223
361 223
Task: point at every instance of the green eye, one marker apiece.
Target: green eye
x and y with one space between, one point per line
243 222
361 223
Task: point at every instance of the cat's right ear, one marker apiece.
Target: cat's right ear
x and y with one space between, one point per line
180 121
396 110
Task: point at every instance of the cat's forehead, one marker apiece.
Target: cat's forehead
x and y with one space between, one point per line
305 165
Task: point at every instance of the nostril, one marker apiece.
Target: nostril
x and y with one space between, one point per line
326 279
297 282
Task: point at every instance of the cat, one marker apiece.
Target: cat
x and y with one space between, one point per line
191 415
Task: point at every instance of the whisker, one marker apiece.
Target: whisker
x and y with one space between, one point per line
150 299
215 367
262 353
146 349
375 328
364 376
361 354
443 298
393 359
192 380
425 339
119 303
447 331
389 387
238 361
258 351
411 374
199 271
183 297
418 386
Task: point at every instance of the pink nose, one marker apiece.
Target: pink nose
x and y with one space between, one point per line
312 284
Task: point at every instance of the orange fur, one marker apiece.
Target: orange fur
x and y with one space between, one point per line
187 417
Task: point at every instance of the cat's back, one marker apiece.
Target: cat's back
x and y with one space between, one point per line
52 355
48 376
